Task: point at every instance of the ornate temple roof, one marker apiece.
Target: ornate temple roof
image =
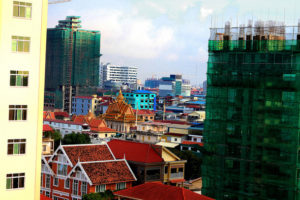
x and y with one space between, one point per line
119 110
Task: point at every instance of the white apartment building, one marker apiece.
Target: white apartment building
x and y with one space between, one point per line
23 25
119 74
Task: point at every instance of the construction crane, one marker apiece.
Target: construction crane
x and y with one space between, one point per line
57 1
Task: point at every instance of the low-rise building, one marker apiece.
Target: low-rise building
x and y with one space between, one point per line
67 127
75 170
48 142
82 105
144 115
141 99
150 162
196 116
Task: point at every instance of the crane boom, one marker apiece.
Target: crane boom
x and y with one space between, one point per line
58 1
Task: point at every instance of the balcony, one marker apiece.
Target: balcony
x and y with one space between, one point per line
176 175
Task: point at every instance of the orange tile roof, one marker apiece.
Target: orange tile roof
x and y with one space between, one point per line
48 115
87 153
103 130
159 191
108 172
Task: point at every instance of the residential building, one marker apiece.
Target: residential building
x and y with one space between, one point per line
158 191
186 88
82 105
99 129
196 132
150 162
144 115
48 142
67 127
141 99
72 63
196 116
75 170
174 86
119 115
251 131
119 74
194 147
23 27
194 185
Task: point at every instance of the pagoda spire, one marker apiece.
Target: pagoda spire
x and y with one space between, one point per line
120 96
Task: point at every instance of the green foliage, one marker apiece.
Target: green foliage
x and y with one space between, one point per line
55 135
107 195
193 165
76 138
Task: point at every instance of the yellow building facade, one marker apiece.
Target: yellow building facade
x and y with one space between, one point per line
23 26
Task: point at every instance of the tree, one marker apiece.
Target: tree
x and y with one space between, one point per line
76 138
55 135
107 195
193 164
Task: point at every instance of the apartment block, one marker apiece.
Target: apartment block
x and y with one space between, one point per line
23 27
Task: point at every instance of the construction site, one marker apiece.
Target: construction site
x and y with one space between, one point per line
72 63
251 135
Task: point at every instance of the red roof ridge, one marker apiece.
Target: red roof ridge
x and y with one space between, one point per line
98 161
69 145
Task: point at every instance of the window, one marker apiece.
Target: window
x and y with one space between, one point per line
55 182
166 169
22 9
121 186
41 180
19 78
20 44
14 181
48 178
83 188
17 112
174 170
67 183
75 187
16 146
44 148
47 194
100 188
180 169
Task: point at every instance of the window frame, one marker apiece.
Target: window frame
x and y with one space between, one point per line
19 6
83 188
75 190
119 186
11 177
55 181
16 143
17 111
100 188
19 42
21 76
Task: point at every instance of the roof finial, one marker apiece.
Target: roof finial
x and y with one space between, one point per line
120 96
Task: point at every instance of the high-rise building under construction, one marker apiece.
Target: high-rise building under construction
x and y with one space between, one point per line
72 63
252 135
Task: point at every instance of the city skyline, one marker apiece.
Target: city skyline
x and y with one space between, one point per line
158 36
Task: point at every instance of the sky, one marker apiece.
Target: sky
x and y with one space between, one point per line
163 37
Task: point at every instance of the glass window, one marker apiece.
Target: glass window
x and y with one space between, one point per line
83 188
67 183
100 188
16 146
22 9
20 44
62 169
48 178
17 112
14 181
19 78
55 182
121 186
75 187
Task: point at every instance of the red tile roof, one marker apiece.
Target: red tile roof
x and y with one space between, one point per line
159 191
64 114
134 151
191 142
172 122
87 153
46 127
42 197
80 119
108 172
145 112
96 123
103 130
48 115
177 180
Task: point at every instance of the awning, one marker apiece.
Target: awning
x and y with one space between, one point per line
177 180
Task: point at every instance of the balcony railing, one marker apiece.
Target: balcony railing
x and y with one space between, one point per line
176 175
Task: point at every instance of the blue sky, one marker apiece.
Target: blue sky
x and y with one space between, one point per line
166 36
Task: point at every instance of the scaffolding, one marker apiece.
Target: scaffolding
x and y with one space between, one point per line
72 61
252 126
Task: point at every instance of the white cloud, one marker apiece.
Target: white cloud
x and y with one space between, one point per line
127 36
200 56
172 57
205 12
